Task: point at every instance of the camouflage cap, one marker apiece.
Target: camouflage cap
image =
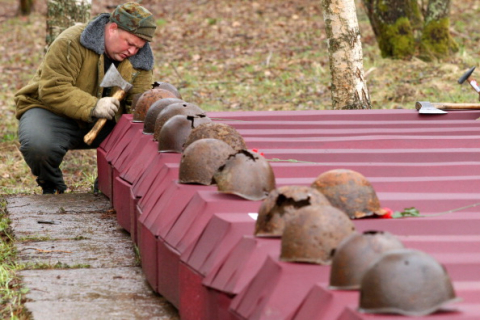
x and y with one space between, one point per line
135 19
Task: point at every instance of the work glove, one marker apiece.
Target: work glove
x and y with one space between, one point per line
106 108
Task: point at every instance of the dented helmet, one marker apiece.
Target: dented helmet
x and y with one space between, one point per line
407 282
154 110
167 86
245 174
355 254
216 130
176 130
146 100
349 191
281 205
314 234
184 108
201 159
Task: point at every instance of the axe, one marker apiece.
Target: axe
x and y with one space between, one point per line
426 107
111 79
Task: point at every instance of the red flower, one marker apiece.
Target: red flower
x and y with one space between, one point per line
260 153
388 214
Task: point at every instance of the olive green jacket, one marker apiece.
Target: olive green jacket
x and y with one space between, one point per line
67 82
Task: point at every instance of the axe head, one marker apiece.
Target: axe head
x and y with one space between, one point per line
113 78
425 107
465 76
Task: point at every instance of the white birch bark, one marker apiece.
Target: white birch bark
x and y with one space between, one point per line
349 88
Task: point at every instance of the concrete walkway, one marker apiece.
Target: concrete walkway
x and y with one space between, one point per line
81 264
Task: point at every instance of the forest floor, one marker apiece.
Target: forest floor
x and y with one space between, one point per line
235 55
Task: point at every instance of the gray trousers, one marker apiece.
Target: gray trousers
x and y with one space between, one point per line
46 137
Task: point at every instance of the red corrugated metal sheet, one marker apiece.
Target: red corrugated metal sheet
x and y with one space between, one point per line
197 246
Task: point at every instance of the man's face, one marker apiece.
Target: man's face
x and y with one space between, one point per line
120 44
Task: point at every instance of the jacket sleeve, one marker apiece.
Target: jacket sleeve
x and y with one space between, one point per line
57 82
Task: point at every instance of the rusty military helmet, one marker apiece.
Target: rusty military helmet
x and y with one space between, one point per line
184 108
146 100
355 254
281 205
407 282
349 191
167 86
201 159
154 110
314 234
176 130
216 130
245 174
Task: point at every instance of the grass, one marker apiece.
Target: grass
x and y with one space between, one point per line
48 266
223 55
11 293
34 238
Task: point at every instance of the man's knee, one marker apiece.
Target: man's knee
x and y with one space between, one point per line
42 137
38 150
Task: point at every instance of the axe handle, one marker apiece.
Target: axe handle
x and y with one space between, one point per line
92 134
454 106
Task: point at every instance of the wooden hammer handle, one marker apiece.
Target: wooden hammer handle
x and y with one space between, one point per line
454 106
92 134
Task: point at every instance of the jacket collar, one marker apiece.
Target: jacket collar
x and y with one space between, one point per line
93 38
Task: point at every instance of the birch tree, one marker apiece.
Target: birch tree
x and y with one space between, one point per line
349 87
62 14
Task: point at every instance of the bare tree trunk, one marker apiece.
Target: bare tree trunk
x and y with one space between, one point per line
349 88
62 14
26 7
402 31
436 39
395 23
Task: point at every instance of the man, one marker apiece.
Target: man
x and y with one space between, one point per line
64 99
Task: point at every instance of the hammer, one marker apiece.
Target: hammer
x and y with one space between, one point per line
426 107
112 78
468 76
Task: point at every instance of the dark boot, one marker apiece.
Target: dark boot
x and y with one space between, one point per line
95 187
48 187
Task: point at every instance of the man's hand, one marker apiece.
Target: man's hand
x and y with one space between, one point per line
106 108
